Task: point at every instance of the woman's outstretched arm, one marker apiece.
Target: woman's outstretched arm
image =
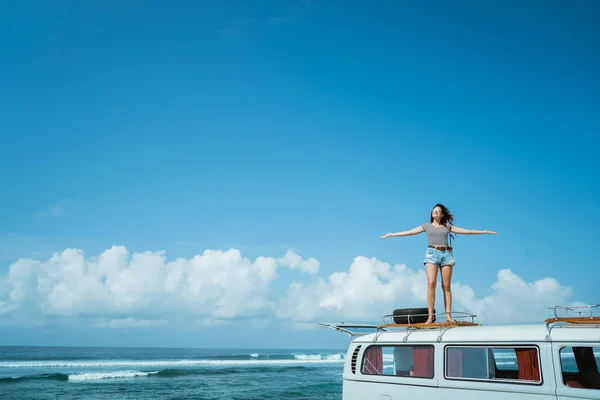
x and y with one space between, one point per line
456 229
414 231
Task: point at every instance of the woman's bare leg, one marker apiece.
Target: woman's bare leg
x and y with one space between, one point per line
431 271
446 280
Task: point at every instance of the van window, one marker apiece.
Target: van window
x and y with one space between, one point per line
581 367
497 364
406 361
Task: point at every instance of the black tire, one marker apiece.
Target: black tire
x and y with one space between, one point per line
411 315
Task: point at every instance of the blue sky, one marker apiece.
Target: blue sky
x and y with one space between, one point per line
305 128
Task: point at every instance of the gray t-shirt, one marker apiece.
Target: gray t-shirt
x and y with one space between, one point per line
437 235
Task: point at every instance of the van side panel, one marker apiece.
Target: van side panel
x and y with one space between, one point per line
369 390
365 390
357 386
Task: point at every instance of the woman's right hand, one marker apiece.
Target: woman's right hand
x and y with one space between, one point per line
387 235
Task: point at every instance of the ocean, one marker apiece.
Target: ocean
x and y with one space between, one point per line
161 373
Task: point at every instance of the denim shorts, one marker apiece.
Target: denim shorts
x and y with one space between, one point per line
438 257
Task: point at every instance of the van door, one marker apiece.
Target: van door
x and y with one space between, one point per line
577 369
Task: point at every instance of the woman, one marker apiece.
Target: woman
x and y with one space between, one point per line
439 254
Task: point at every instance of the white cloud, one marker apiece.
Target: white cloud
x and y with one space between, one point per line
513 300
119 289
294 261
368 290
372 288
216 285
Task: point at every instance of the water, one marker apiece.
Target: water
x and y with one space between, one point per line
136 373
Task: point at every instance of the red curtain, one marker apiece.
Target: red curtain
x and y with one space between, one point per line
373 364
529 368
423 361
455 362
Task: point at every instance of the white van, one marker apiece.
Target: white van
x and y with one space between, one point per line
559 359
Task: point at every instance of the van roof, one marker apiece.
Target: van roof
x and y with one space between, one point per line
487 334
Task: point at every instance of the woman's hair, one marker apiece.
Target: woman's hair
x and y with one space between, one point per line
447 219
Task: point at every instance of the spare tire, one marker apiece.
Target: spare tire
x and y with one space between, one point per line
411 315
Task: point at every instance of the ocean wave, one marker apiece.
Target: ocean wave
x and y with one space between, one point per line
245 357
163 363
50 377
93 376
313 357
274 356
128 374
170 373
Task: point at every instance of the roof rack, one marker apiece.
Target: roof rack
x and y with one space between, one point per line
356 330
388 320
588 314
460 319
353 330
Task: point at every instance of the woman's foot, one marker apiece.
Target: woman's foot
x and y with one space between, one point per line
431 319
449 318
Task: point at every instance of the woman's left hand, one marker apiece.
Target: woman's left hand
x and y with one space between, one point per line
491 232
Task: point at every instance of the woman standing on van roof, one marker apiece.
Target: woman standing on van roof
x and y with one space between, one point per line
439 254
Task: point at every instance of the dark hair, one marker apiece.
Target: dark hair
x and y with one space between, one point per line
447 218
